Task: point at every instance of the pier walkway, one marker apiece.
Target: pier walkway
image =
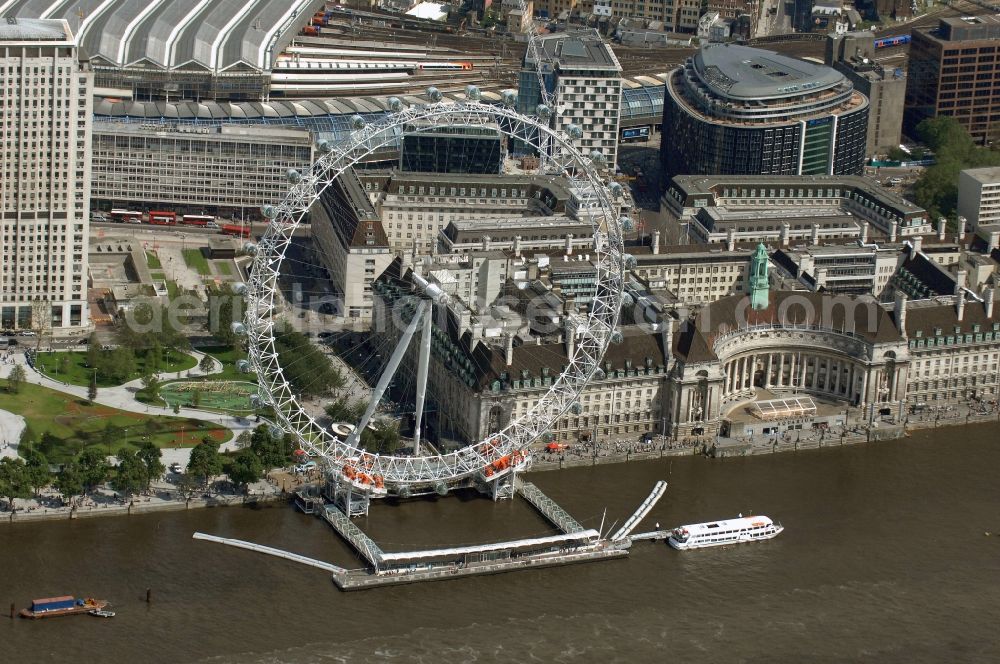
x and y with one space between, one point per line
548 507
659 489
260 548
365 545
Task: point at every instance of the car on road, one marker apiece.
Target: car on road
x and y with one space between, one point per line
28 333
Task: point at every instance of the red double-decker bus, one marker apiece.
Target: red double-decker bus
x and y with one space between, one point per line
235 229
162 218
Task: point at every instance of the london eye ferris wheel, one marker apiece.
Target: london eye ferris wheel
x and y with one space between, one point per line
341 454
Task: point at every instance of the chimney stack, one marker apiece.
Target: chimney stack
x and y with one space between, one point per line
988 301
900 310
486 242
893 230
730 240
569 244
960 279
508 355
864 232
961 228
918 243
517 246
569 332
942 228
815 234
994 241
820 278
656 242
786 229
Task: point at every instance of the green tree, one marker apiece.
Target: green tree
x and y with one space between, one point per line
150 385
92 388
14 482
15 378
150 455
205 461
196 398
207 364
224 307
130 474
245 468
937 188
305 366
343 409
154 357
382 438
93 351
93 467
69 482
37 469
63 365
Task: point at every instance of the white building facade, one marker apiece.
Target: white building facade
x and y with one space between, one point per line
45 111
979 196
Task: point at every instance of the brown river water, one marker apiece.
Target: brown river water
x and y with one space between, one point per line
884 559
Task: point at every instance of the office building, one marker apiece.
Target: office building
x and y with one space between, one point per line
226 170
853 55
952 71
738 110
979 196
45 120
788 209
351 243
585 76
452 149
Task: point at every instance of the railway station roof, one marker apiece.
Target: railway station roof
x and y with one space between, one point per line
208 35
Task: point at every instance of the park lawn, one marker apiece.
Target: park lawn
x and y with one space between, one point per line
61 425
78 373
172 290
153 261
195 259
228 357
225 268
158 276
223 396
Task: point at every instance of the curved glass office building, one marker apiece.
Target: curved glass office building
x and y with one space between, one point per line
739 110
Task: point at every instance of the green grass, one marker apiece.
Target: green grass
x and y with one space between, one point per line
225 268
195 259
222 396
172 289
153 261
61 425
78 373
158 276
228 357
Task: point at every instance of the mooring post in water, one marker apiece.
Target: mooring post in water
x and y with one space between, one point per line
149 595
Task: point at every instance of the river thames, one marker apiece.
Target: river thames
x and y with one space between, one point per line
884 558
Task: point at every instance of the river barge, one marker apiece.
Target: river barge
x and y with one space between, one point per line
53 607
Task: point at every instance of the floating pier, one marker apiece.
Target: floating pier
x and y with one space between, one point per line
574 544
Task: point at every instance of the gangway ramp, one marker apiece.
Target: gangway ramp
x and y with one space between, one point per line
260 548
365 545
659 489
549 509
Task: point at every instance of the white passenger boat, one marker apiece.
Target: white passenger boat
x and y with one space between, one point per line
719 533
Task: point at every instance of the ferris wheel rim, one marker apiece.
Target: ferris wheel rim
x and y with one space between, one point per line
597 330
